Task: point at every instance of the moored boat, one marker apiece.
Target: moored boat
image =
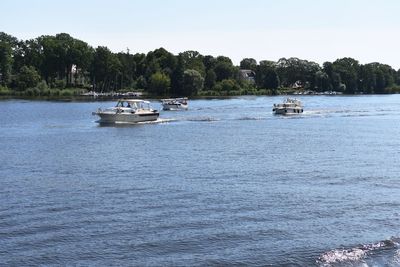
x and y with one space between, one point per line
289 106
175 103
128 111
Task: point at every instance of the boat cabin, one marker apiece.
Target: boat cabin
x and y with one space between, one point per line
133 104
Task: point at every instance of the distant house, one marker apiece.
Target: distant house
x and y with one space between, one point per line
247 75
77 76
297 85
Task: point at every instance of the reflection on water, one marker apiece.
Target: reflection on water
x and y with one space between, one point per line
224 183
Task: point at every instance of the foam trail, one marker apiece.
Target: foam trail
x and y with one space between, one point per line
383 253
206 119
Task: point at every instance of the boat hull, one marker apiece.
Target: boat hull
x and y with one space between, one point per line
109 117
287 111
174 107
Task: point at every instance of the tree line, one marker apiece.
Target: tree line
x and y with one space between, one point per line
60 61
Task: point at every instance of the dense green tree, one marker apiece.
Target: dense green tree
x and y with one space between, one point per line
192 82
248 64
160 60
224 68
128 70
28 53
367 79
66 56
267 77
327 67
193 60
13 41
141 82
159 84
294 70
81 55
322 82
209 62
62 60
167 60
376 77
27 77
177 86
397 76
105 69
347 68
210 79
57 57
8 44
52 61
227 86
140 62
269 63
5 63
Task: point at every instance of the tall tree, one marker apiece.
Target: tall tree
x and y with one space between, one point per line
8 44
105 69
293 70
128 69
224 68
248 64
160 60
193 60
267 77
159 84
177 86
5 63
193 82
209 62
27 77
322 81
210 79
347 68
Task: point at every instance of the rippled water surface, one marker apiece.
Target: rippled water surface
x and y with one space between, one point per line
224 183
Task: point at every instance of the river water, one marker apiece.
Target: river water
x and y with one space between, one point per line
224 183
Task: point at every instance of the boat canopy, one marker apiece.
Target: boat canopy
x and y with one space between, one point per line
174 99
133 103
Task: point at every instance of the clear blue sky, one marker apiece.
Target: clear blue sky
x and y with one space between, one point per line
263 29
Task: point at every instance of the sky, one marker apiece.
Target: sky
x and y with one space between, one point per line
319 31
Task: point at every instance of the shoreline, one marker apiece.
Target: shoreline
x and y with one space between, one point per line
157 98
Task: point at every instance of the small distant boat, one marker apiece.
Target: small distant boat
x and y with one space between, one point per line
175 103
128 111
289 106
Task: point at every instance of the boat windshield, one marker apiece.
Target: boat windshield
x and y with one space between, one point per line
181 100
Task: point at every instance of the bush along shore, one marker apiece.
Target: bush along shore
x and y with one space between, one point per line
62 66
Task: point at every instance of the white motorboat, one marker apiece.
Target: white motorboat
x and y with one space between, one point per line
128 111
289 106
175 103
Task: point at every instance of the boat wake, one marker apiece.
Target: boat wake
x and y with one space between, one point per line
205 119
213 119
250 118
347 113
159 120
383 253
121 124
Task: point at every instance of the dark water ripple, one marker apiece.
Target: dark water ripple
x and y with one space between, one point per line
225 183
